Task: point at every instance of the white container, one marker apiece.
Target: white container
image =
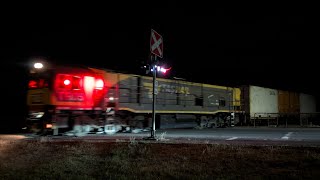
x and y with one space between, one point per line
263 102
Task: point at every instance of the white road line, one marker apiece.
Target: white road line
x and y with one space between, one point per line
287 135
233 138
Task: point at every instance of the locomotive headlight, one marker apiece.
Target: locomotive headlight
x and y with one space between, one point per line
111 98
49 126
38 65
39 114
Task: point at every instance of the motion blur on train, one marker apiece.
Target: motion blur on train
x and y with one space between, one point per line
79 100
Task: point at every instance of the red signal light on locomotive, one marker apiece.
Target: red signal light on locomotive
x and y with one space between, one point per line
63 81
71 82
76 83
66 82
91 82
33 84
99 84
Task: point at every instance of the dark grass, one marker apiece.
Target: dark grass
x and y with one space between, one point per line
133 160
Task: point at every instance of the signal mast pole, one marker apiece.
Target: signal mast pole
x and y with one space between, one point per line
156 48
153 131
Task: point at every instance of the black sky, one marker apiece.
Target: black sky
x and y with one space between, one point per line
267 45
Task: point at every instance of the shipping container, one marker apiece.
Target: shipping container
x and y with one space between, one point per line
307 103
288 102
259 101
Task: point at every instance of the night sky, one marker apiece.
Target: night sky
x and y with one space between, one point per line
266 45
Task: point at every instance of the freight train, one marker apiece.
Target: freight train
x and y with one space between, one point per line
76 99
260 103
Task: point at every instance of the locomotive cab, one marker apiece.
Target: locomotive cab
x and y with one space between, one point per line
61 98
38 101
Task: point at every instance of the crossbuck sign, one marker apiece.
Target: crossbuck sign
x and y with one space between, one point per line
156 44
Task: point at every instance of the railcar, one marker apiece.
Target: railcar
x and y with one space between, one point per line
261 104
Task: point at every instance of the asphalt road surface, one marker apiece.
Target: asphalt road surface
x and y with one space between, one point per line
253 135
289 134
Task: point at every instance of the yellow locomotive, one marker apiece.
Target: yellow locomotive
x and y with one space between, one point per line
83 99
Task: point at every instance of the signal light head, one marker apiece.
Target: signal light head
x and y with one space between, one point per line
161 69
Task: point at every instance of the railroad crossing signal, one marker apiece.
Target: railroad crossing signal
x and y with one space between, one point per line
156 48
156 43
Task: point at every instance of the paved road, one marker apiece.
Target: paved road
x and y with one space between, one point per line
254 135
288 134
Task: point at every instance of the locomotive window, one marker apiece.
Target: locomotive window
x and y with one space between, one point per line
40 80
37 83
222 102
199 101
